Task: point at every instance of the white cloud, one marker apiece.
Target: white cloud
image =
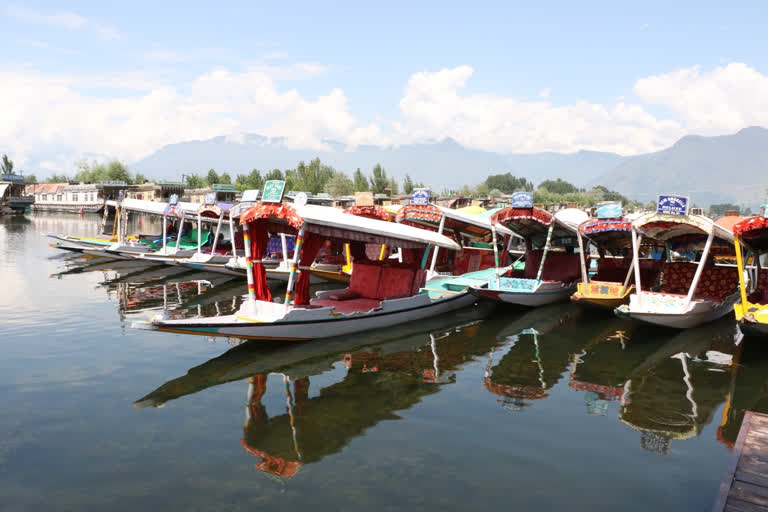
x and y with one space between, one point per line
544 93
60 118
62 19
723 100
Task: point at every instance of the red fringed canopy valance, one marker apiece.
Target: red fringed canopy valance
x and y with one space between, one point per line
370 212
283 211
419 213
602 225
505 215
753 223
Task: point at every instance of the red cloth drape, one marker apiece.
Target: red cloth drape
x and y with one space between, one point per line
259 240
310 248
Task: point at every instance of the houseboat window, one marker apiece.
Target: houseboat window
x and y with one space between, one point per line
74 196
58 197
45 197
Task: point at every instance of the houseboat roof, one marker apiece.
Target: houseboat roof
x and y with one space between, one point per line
429 216
753 232
664 226
534 222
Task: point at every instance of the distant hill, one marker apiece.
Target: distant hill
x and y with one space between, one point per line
729 168
438 164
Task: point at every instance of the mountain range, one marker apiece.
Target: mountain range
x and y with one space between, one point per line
729 168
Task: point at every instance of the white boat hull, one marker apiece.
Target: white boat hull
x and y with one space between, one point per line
699 312
324 326
545 293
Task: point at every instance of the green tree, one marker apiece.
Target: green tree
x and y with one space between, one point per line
30 178
310 177
718 210
558 186
507 183
57 178
225 178
393 186
212 178
139 179
407 185
379 179
252 181
196 181
495 193
360 181
6 166
340 185
274 174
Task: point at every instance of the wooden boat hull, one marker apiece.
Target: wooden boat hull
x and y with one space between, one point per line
608 296
698 313
329 326
545 293
755 321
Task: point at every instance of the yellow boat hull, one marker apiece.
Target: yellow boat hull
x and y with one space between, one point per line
603 294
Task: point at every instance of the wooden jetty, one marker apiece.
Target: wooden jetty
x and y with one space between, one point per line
745 485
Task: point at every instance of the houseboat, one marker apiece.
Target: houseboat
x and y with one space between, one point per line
751 236
13 198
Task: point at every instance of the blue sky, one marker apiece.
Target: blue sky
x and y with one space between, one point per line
573 56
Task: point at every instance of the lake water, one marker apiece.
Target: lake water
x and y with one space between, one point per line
551 408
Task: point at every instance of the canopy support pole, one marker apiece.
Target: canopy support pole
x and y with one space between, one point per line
699 270
636 262
547 246
199 234
436 249
165 231
248 264
740 265
216 236
295 264
495 254
285 249
629 272
584 279
179 231
232 239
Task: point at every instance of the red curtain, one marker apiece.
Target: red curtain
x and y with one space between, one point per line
309 249
259 240
357 251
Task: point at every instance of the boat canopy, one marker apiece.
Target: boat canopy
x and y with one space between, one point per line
153 207
3 188
664 227
429 216
611 234
334 223
753 233
533 223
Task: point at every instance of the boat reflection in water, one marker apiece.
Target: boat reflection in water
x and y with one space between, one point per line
383 373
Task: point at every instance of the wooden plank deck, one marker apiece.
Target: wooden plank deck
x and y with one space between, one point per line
745 485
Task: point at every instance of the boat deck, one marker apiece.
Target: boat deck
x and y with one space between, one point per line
745 485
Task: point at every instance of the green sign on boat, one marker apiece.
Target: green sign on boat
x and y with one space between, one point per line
273 191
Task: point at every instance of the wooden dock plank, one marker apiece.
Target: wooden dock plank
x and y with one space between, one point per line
736 505
751 478
733 462
748 492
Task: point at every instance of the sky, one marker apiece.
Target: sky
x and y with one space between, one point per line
103 80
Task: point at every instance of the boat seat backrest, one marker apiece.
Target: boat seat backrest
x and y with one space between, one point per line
760 295
532 261
677 277
395 281
717 283
365 279
560 266
612 270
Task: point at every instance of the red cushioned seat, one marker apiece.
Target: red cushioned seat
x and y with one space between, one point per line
716 283
563 267
419 280
346 307
532 262
365 279
677 277
760 295
395 282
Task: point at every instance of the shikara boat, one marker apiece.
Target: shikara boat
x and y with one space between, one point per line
611 285
480 257
551 265
691 293
380 293
752 309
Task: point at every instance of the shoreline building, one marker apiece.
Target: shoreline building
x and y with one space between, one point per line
65 197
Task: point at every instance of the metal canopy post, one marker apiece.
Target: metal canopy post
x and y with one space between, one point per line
740 265
436 249
631 268
165 231
699 270
199 234
248 264
583 260
179 231
547 246
495 253
636 261
232 238
216 236
294 264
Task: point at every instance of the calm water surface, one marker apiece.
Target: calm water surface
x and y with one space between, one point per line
551 408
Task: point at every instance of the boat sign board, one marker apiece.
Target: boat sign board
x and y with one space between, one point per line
273 191
522 200
16 178
364 198
250 196
210 198
609 210
174 199
673 205
420 196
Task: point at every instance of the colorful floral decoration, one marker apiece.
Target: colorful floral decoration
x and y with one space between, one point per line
282 211
507 214
603 225
369 212
415 215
